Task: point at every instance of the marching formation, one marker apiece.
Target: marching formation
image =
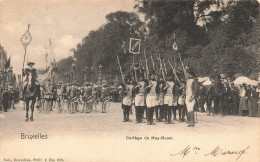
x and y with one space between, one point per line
164 97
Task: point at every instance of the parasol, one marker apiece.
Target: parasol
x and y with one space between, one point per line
242 79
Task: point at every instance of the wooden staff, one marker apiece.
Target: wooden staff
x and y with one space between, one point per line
161 68
146 65
164 66
153 63
174 72
185 74
120 68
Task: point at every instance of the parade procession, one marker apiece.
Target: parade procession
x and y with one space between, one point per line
158 90
129 80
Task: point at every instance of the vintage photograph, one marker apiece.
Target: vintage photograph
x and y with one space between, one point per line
129 80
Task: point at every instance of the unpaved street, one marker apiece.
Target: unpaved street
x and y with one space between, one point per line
104 137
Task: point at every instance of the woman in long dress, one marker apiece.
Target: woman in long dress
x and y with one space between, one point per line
243 106
254 101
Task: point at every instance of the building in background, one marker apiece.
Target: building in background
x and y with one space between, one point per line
3 57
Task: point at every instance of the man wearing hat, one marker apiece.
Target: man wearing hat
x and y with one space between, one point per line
68 89
140 98
192 87
127 99
87 98
159 107
5 99
60 98
168 98
104 97
30 71
151 99
73 97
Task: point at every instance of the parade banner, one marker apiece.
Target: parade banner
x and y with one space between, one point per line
43 75
135 46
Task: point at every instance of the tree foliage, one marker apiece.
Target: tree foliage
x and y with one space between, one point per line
208 33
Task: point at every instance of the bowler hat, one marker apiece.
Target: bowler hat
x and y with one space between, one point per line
30 63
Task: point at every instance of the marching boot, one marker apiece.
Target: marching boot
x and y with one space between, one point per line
124 113
192 122
148 116
127 116
188 117
137 113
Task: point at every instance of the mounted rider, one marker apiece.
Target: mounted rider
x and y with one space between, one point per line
30 75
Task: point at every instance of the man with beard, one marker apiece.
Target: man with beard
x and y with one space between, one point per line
140 98
127 99
151 99
192 87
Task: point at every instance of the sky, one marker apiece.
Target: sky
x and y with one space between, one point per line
65 22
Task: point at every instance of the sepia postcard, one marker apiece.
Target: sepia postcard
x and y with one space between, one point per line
129 80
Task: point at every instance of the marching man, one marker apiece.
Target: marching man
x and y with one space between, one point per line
168 99
151 99
191 94
140 99
127 99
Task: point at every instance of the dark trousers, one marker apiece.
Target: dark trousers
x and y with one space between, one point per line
157 108
168 113
218 104
139 111
174 111
162 112
226 105
149 117
181 109
126 110
5 105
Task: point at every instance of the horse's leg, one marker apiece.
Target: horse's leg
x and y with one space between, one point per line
27 109
32 107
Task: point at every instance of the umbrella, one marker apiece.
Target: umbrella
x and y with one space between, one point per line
241 80
207 83
206 78
253 82
200 79
254 76
238 75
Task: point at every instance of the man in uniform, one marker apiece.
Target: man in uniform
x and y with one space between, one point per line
73 97
151 99
159 107
60 98
104 97
68 89
192 87
87 98
127 99
168 98
140 98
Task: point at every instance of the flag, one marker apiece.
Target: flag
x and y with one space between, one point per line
7 64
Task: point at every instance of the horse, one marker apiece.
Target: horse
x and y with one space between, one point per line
29 94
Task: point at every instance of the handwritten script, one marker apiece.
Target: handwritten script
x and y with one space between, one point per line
215 152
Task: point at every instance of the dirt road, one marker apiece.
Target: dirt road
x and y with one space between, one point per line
104 137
